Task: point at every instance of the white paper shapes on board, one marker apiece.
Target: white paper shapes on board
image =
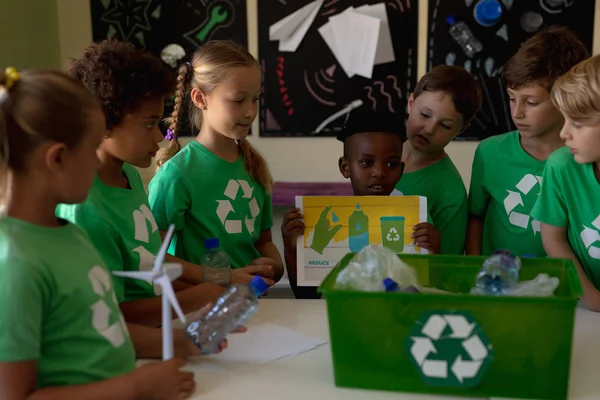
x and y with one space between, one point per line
360 38
291 30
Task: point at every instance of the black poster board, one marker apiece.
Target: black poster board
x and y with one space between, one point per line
302 89
170 29
519 21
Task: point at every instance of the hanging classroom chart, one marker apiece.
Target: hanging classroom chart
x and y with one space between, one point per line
321 59
499 27
170 29
337 225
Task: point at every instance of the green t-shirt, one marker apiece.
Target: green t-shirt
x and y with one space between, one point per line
59 307
505 183
446 201
208 197
122 228
570 198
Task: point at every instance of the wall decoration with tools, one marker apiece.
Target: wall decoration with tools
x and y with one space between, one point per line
170 29
323 58
481 35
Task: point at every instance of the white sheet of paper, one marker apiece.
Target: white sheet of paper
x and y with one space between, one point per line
291 30
264 343
327 33
338 24
362 36
385 48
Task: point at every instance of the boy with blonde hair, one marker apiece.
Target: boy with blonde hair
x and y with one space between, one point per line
507 169
569 203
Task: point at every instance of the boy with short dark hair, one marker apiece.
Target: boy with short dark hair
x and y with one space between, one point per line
569 203
442 106
507 169
372 160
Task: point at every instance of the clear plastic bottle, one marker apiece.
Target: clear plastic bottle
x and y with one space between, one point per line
499 274
462 34
216 265
232 310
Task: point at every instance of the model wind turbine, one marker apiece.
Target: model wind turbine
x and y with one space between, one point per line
163 274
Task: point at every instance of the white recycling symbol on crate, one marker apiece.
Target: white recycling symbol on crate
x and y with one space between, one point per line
589 236
514 199
457 358
224 208
393 235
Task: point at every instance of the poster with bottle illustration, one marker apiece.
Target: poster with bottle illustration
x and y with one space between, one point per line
337 225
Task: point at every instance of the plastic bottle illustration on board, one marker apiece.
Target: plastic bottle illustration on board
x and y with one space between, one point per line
358 225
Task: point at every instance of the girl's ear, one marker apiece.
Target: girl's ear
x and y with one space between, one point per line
411 100
199 99
344 167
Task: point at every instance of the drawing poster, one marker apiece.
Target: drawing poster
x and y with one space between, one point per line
337 225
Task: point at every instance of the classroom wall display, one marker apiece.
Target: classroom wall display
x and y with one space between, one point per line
323 58
170 29
337 225
481 35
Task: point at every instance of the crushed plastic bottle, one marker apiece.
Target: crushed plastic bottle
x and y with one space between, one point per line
390 285
499 274
461 33
215 265
232 310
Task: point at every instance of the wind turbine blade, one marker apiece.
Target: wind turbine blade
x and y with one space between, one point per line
141 275
162 252
169 293
173 270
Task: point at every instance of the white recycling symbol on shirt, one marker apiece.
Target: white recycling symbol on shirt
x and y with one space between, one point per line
589 236
392 235
225 207
514 199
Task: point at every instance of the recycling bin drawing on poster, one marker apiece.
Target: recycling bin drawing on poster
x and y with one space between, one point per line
337 225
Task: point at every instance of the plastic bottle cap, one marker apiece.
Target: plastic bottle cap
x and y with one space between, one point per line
211 243
450 20
390 285
259 285
488 12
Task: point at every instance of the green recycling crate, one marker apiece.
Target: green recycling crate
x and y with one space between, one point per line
455 344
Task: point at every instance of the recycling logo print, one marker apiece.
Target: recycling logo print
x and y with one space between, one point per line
449 349
393 235
590 236
233 191
515 198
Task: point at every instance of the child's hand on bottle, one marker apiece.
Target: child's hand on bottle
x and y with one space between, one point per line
163 381
292 227
427 237
243 276
267 266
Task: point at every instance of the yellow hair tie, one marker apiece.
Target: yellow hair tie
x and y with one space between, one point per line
11 76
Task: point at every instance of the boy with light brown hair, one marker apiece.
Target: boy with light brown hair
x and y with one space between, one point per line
568 207
507 169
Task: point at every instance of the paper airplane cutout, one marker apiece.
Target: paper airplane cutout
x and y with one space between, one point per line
291 30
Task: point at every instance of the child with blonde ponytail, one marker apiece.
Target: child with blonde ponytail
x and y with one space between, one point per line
218 186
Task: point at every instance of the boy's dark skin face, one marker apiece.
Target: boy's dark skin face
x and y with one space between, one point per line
373 162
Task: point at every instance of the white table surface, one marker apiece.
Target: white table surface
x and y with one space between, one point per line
309 376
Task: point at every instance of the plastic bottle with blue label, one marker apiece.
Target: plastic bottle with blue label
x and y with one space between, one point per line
487 12
499 274
462 35
358 227
232 310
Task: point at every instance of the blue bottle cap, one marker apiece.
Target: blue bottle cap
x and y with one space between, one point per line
211 243
487 12
258 285
450 20
390 285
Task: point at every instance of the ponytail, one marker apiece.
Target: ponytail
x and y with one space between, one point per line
256 165
174 120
